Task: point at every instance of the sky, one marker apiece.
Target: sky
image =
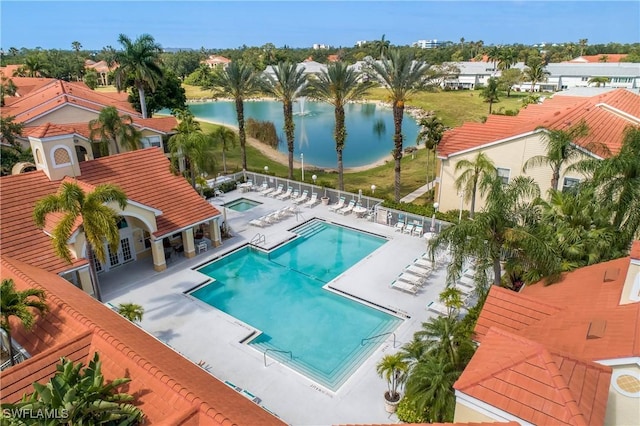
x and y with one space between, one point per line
231 24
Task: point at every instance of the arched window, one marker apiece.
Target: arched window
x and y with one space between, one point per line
61 156
38 156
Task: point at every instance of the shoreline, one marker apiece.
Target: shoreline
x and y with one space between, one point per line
283 158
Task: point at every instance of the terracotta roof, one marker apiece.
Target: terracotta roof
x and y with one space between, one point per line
535 384
143 175
55 94
581 301
160 124
163 125
610 57
635 250
601 114
167 387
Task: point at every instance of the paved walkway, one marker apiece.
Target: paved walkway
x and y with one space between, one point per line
418 192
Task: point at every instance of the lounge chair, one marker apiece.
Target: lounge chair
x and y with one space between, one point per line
412 279
418 230
313 200
337 206
258 222
348 209
463 289
301 199
399 226
404 286
277 191
408 229
286 195
416 270
438 308
423 263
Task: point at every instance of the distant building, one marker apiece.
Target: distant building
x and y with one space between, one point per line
361 43
317 46
427 44
216 61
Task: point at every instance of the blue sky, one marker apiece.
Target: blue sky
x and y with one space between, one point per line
230 24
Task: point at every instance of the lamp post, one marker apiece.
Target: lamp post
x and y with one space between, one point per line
313 178
302 164
373 189
433 218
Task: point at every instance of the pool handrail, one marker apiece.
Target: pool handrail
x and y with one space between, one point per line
276 350
380 335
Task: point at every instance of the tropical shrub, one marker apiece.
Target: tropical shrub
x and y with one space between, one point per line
408 412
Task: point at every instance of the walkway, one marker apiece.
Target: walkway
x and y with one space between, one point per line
418 192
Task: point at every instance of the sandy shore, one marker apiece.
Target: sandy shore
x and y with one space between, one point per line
283 158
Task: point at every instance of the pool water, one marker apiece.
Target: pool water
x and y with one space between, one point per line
281 293
242 204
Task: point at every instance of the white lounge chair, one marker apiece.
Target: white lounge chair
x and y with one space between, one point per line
277 192
412 279
337 206
301 199
258 222
404 286
418 230
463 289
408 229
313 200
348 208
423 263
286 195
416 270
438 308
399 226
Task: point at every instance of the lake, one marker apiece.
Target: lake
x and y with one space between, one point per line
369 129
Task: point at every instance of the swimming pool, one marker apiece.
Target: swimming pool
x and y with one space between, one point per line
281 294
241 204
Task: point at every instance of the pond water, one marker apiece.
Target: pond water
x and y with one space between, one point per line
369 129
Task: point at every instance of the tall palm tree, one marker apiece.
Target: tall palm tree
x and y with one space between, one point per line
287 85
237 81
490 92
382 46
499 232
507 57
430 387
190 144
131 311
401 76
431 132
139 60
338 85
76 46
14 303
445 336
472 177
34 66
535 72
98 221
226 138
561 148
598 81
113 129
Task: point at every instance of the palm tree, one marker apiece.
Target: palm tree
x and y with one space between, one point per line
382 46
430 387
583 44
288 84
472 177
113 129
431 132
140 61
394 370
490 92
98 221
338 85
535 72
445 337
507 57
131 311
83 395
499 232
227 138
237 81
7 88
598 81
561 148
196 148
14 303
33 67
76 46
401 76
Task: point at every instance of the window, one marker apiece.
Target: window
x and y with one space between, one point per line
570 184
585 78
150 141
504 175
627 382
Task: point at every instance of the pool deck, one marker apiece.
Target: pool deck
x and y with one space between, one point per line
212 338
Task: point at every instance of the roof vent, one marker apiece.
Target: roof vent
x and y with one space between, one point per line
596 329
611 274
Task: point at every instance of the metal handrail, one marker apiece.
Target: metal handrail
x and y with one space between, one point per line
276 350
258 238
380 335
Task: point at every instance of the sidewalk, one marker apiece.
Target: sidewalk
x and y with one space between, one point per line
418 192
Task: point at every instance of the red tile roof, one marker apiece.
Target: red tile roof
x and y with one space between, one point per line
54 94
609 57
167 387
538 385
145 177
607 116
164 125
635 250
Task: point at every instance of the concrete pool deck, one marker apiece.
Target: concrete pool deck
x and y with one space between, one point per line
212 338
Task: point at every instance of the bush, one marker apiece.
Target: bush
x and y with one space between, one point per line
408 413
264 131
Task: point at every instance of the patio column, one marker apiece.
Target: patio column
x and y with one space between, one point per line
214 232
157 250
188 244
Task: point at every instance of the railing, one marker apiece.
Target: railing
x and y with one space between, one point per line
276 350
19 353
257 239
380 335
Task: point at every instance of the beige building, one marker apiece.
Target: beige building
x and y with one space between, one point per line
509 141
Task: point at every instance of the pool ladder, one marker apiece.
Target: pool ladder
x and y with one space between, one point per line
379 335
257 239
279 351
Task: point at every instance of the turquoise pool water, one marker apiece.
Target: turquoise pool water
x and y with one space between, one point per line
369 129
241 204
281 294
